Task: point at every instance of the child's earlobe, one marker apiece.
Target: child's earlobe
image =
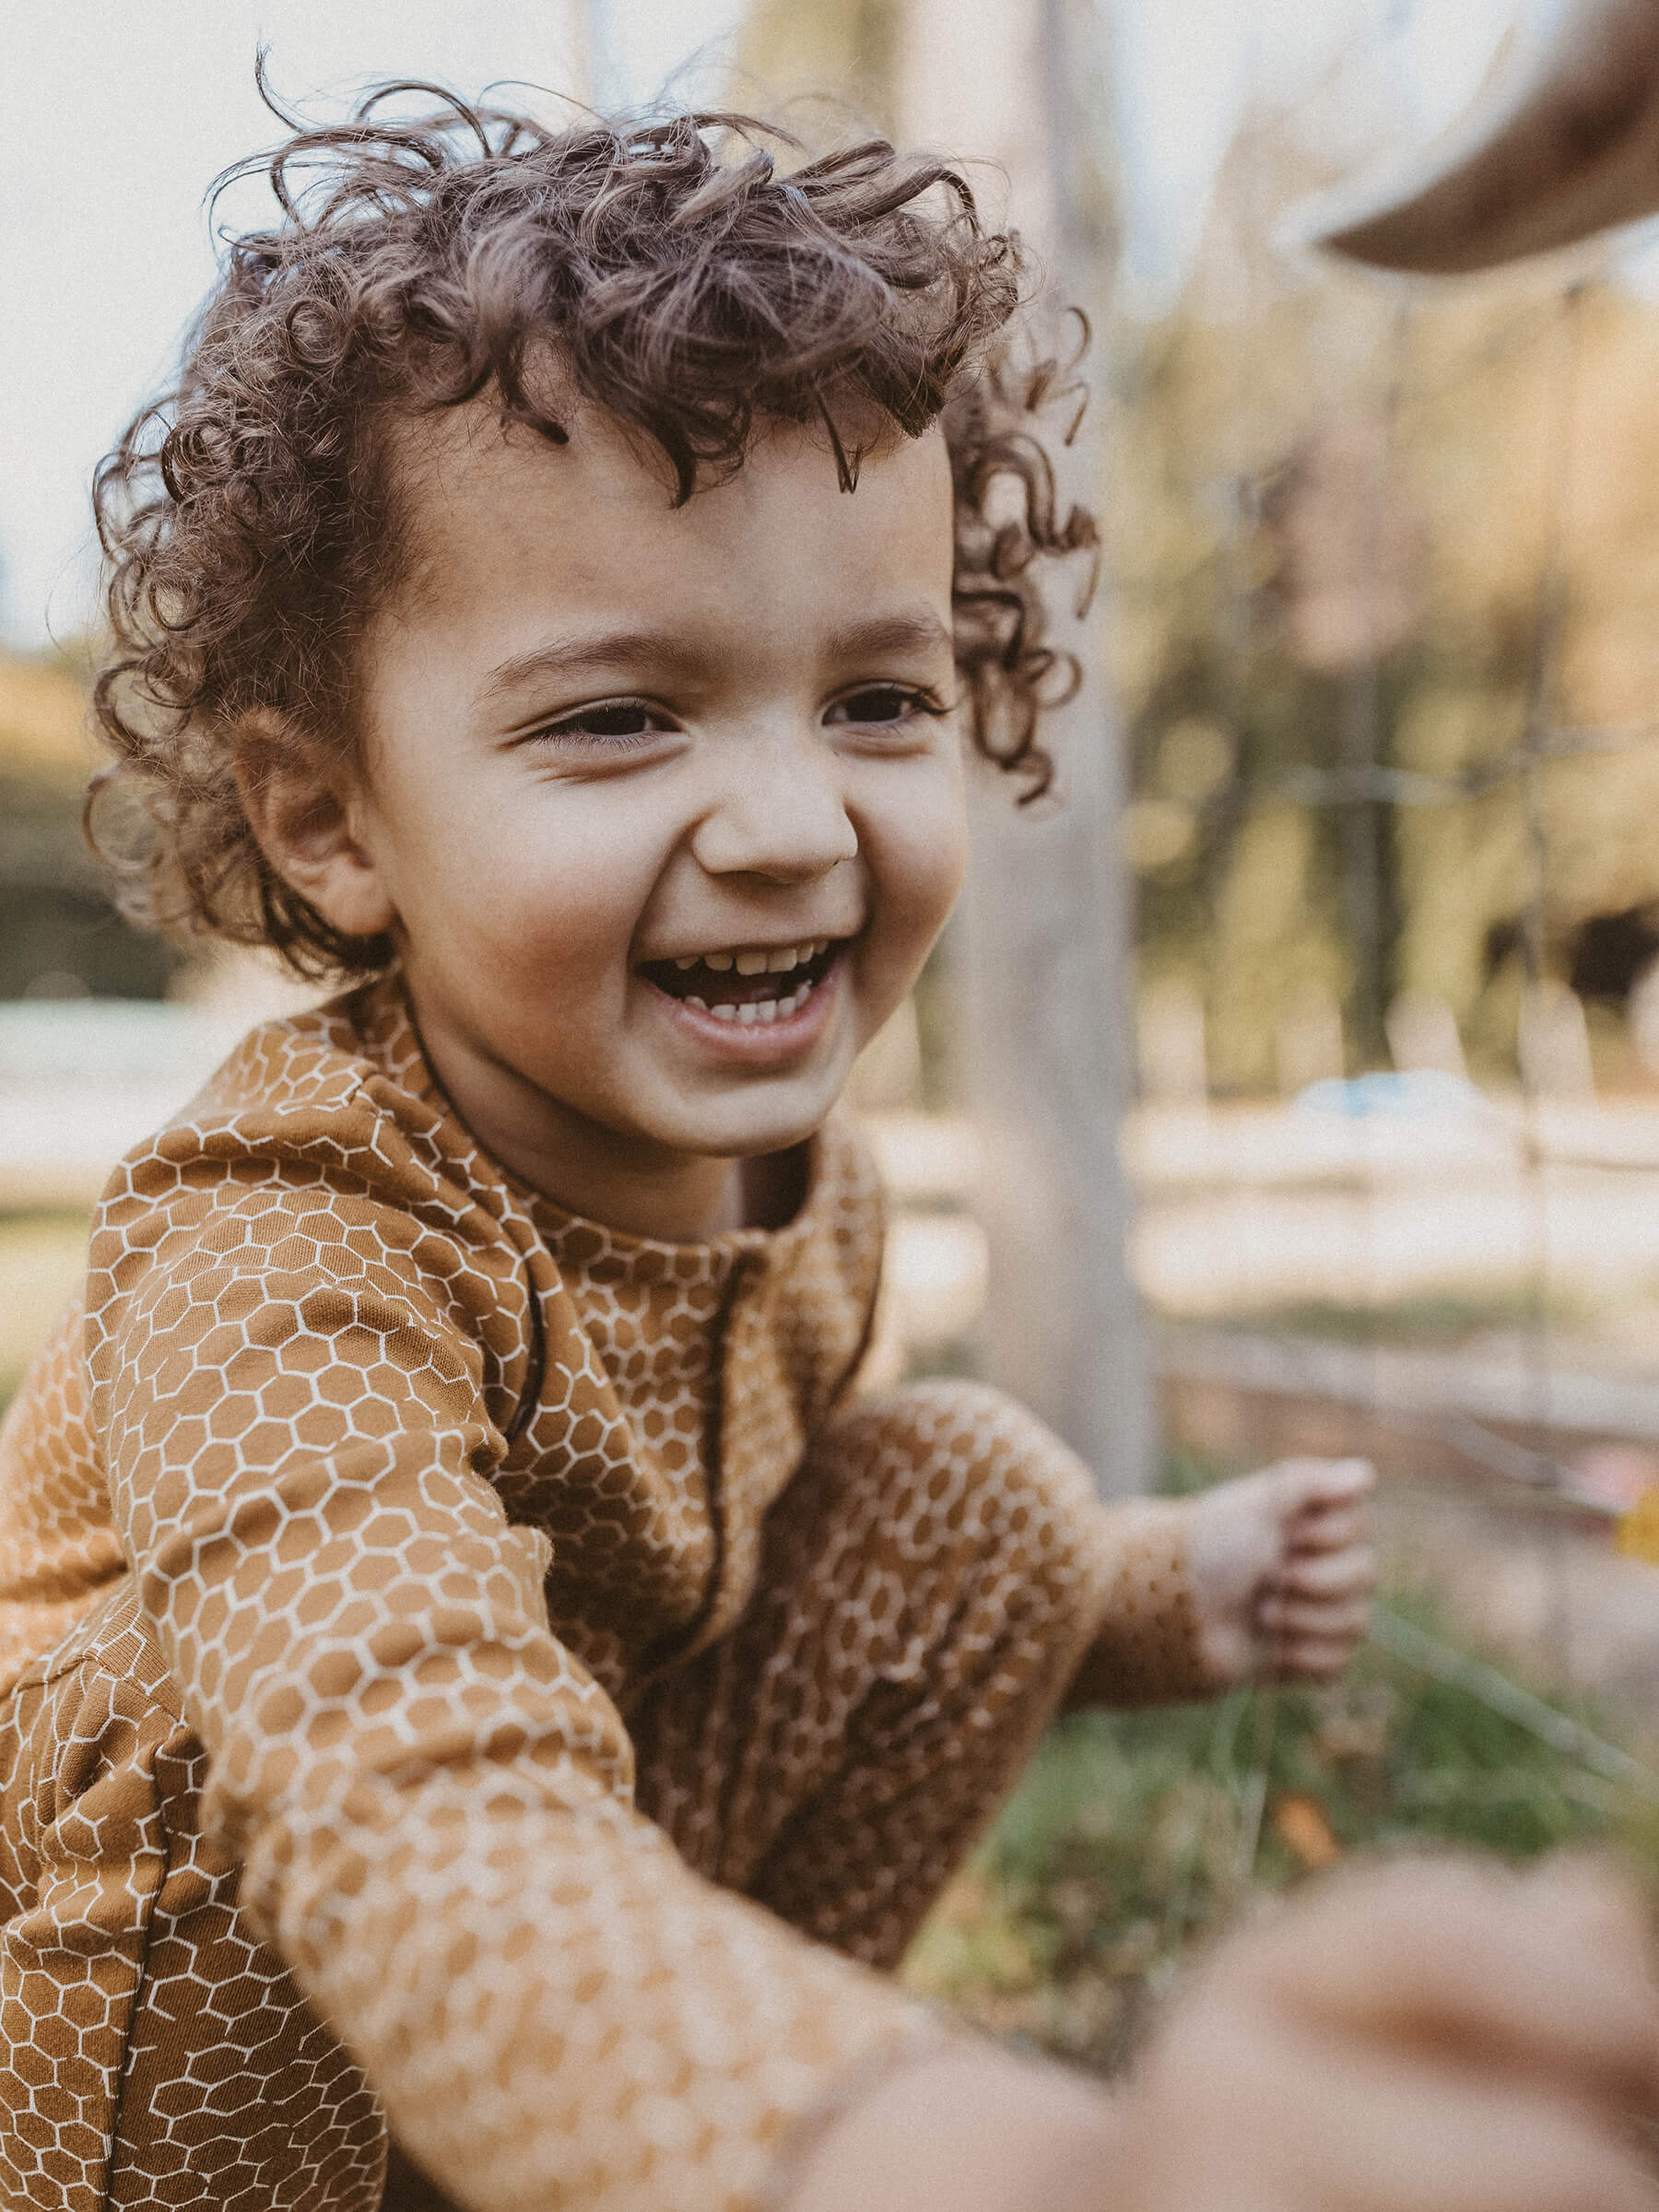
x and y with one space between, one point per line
300 808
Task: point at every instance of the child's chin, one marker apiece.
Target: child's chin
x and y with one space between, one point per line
750 1135
768 1114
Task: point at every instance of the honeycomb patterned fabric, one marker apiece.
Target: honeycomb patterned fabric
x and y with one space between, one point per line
478 1679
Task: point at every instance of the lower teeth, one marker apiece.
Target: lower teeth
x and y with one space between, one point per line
763 1011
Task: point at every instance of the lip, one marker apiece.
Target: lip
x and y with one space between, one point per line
755 1045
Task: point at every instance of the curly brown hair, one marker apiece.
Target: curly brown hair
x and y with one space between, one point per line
251 517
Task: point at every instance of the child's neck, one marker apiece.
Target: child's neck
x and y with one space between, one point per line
722 1194
678 1201
703 1198
692 1201
675 1198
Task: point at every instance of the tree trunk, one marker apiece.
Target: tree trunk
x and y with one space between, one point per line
1045 946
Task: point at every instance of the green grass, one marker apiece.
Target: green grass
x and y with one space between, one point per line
1136 1837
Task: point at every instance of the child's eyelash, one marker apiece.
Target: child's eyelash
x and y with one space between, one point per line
915 700
602 723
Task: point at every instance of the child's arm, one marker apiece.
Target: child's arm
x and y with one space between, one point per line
428 1792
1429 2035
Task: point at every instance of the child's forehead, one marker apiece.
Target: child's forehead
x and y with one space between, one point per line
449 455
470 484
443 452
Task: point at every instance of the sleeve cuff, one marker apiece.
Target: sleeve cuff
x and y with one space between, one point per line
1145 1649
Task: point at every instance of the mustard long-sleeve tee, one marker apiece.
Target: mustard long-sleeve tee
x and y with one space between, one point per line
421 1482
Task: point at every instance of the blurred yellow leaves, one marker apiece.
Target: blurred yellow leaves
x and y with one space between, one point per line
43 732
1195 757
1341 535
1275 943
1638 1533
1157 832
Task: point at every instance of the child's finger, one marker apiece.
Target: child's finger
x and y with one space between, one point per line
1329 1529
1411 2135
1332 1482
1313 1658
1303 1485
1323 1617
1260 2105
1547 1972
1319 1522
1344 1573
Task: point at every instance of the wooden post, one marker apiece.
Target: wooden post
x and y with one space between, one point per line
1046 945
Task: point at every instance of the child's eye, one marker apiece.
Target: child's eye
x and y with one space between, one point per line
879 703
617 721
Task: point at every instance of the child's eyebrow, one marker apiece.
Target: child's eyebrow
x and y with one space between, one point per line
616 649
920 631
909 630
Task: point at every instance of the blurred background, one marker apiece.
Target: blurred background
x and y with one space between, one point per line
1295 1083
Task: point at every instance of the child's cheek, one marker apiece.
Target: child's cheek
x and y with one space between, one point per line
924 874
939 859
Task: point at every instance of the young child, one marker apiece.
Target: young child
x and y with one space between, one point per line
474 1668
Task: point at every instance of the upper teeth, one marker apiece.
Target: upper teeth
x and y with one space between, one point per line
777 961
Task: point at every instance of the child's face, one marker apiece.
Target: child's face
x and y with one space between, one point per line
621 754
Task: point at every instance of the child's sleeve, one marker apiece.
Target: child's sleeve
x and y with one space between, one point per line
1146 1650
430 1796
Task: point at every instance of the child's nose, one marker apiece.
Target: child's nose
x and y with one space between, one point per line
780 814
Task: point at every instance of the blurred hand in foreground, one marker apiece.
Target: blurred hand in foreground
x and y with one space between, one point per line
1430 2036
1437 2035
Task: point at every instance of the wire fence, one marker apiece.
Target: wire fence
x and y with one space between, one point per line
1362 428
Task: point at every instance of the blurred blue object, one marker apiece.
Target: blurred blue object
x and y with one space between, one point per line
1392 1092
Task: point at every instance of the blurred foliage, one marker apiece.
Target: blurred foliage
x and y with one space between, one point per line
1136 1837
44 738
1354 527
60 934
1432 1317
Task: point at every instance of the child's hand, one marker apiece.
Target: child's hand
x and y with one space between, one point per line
1430 2034
1282 1570
1433 2036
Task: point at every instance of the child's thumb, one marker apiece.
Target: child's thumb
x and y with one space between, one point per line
1301 1482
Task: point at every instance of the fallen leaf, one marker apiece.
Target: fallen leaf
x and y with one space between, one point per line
1300 1826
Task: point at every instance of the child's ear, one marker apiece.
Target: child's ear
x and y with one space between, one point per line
307 813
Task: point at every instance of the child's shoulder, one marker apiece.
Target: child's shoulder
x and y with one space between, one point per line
337 1095
355 1052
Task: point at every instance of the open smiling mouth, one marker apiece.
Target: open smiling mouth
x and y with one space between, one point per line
763 984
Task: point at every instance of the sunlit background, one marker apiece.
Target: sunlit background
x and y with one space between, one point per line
118 119
1373 702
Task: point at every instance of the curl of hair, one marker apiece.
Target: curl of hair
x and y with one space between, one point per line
251 520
